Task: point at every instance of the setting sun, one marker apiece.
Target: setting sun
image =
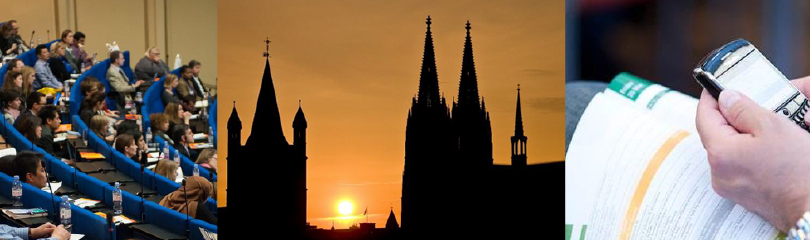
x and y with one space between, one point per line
345 208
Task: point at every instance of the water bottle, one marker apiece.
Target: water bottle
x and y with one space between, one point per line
149 136
196 170
139 97
165 151
64 213
84 137
16 191
67 91
210 134
177 157
116 196
82 70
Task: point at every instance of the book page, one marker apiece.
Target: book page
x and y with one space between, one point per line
630 175
670 106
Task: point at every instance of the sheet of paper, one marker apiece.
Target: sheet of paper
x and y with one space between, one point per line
76 236
630 175
670 106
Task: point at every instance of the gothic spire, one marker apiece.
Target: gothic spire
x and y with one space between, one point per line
266 121
468 86
429 78
233 122
299 120
518 117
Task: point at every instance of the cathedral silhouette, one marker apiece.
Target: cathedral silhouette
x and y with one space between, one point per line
449 171
451 188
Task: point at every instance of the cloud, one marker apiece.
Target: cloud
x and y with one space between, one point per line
548 104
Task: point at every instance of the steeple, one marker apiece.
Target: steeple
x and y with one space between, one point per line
518 116
392 221
518 140
299 121
468 86
267 121
233 122
429 78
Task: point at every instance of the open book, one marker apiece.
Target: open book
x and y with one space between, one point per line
636 169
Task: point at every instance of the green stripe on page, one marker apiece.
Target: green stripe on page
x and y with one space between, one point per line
655 98
568 229
628 85
582 232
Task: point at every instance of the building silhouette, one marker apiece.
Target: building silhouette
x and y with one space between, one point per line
267 171
449 170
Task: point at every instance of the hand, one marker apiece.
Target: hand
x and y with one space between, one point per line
758 158
60 233
68 161
13 46
138 83
42 231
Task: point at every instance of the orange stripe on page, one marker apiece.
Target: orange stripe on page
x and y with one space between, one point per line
646 178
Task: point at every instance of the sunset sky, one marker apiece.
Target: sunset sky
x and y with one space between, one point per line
355 67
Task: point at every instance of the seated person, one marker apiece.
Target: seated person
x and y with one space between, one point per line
186 89
176 115
170 82
50 122
208 160
29 76
8 44
35 101
126 126
30 126
69 41
121 88
91 106
167 168
99 124
57 62
182 136
192 202
139 139
45 77
80 53
46 229
10 101
150 66
160 127
125 144
31 168
13 80
201 91
113 114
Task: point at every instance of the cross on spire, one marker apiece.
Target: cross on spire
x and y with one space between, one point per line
267 52
518 88
468 27
428 21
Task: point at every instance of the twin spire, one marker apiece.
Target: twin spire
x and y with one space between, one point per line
429 80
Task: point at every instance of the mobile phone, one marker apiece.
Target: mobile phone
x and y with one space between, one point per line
738 65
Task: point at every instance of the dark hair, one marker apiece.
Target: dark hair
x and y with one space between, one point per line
6 164
8 83
93 100
78 35
6 97
87 84
178 132
27 125
136 134
193 63
33 98
26 162
184 68
114 55
123 141
40 47
13 62
47 112
126 126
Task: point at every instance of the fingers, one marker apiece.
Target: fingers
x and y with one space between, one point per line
743 113
711 125
803 84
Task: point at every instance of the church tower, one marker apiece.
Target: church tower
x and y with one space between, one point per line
470 117
519 140
428 149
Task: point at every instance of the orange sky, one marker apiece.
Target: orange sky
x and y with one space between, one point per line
355 67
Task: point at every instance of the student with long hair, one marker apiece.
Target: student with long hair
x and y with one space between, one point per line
191 199
99 124
11 102
13 80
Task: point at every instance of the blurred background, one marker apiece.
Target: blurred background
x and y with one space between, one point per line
662 41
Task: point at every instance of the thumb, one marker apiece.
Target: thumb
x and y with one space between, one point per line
742 113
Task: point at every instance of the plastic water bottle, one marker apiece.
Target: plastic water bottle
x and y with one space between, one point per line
177 157
210 135
116 196
82 70
166 151
196 170
64 212
139 97
16 191
149 136
84 136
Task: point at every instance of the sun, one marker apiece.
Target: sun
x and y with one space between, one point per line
345 207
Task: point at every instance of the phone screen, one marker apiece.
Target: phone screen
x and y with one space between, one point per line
757 78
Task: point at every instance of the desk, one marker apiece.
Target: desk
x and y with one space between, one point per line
154 232
94 166
111 177
135 188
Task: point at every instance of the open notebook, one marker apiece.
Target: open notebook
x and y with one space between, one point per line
636 169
